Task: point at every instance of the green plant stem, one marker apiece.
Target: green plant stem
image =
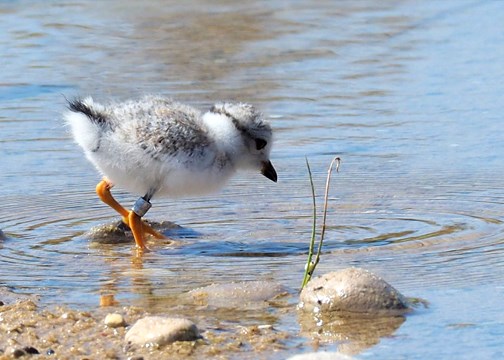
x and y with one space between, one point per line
308 267
336 160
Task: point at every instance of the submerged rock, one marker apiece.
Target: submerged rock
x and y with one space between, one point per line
237 295
353 333
351 290
156 331
118 232
2 235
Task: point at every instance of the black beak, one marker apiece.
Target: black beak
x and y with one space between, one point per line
269 171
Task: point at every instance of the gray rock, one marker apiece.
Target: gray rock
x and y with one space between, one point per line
351 290
118 232
245 294
156 331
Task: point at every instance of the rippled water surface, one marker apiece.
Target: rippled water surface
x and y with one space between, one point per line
409 94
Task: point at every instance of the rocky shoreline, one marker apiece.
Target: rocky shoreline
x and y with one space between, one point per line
331 308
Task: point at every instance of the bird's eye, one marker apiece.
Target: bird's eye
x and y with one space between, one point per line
260 143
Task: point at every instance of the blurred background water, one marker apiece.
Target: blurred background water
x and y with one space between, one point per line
408 93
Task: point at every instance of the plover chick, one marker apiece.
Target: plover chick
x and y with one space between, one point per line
158 147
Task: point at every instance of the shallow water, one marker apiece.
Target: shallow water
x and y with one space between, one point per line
408 94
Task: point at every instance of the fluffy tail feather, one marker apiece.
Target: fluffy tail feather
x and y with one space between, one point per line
87 121
87 107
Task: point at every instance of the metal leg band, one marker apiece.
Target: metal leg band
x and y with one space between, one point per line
141 207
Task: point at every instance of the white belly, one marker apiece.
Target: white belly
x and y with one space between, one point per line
170 178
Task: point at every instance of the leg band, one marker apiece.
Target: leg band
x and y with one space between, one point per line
141 207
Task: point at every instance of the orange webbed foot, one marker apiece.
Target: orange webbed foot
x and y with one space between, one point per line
146 228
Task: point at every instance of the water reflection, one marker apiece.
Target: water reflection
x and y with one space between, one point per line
352 334
408 94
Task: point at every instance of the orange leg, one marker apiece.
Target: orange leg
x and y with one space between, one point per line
103 191
139 227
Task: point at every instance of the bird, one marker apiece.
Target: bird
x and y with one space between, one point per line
154 146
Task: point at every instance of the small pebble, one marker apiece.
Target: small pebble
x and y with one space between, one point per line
159 331
107 300
18 353
31 350
114 320
265 327
68 316
50 352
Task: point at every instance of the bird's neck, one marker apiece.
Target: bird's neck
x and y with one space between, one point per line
224 133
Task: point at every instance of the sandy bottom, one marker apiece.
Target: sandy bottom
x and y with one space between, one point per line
64 333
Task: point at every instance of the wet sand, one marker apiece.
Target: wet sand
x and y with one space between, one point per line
64 333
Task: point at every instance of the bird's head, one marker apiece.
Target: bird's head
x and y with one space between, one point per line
255 134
